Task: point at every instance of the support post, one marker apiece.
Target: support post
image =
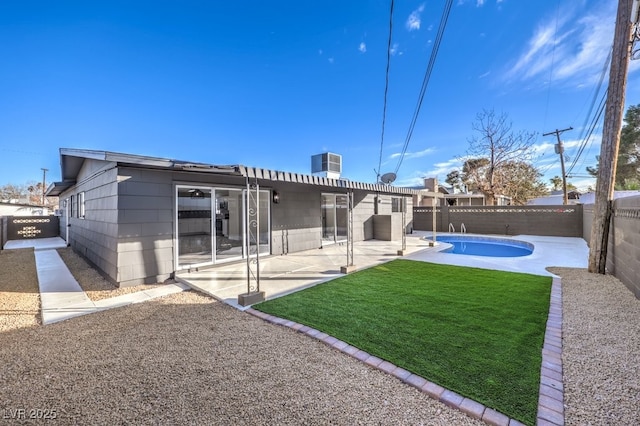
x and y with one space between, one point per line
252 234
611 138
44 180
560 151
403 228
434 205
350 267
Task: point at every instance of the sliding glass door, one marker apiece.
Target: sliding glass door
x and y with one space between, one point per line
334 210
212 226
194 230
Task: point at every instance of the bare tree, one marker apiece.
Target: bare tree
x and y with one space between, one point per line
10 192
495 147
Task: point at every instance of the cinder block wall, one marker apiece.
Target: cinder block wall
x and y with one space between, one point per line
562 221
623 255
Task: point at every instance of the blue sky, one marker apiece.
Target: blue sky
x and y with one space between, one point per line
269 84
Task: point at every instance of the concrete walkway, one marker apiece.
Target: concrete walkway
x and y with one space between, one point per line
61 297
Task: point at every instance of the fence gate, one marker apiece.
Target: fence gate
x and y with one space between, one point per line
28 227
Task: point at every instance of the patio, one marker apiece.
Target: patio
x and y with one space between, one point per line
281 275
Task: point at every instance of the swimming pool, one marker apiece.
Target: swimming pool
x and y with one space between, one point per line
486 246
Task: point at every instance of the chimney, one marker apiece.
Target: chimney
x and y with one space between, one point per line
431 184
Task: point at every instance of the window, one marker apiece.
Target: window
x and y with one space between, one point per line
81 205
72 209
396 204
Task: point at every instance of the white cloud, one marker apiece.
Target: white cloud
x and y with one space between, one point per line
363 47
394 49
571 47
439 170
331 60
414 19
480 3
410 155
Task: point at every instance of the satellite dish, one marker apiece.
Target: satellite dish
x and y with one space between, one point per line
388 178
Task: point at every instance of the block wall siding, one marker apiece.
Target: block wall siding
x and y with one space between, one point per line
296 222
363 212
129 231
94 236
145 226
623 250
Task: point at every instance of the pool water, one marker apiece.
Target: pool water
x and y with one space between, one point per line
485 246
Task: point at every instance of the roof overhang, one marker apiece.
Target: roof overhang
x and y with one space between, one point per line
71 161
57 188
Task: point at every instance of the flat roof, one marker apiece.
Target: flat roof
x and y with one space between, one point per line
71 161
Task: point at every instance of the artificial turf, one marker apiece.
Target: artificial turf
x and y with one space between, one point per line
477 332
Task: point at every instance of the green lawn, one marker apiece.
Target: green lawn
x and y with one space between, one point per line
477 332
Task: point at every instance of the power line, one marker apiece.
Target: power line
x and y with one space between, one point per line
592 127
386 90
425 81
589 129
553 57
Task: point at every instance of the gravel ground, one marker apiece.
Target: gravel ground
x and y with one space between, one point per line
19 293
186 358
94 284
601 349
189 359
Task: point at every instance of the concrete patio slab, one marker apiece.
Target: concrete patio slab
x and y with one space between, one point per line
281 275
36 243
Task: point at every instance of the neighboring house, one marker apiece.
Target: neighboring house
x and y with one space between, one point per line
556 198
140 219
574 197
451 198
590 197
15 209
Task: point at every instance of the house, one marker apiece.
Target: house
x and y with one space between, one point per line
590 197
18 209
452 198
556 198
140 219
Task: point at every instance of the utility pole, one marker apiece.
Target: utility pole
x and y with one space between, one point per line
560 150
44 177
611 138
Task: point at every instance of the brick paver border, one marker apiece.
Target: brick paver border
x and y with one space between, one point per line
551 397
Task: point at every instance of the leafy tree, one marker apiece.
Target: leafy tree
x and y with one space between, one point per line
521 181
556 183
492 153
628 167
454 179
35 192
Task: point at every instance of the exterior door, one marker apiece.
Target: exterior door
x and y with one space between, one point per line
334 210
195 243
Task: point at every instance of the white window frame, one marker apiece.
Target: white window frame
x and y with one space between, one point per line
81 208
